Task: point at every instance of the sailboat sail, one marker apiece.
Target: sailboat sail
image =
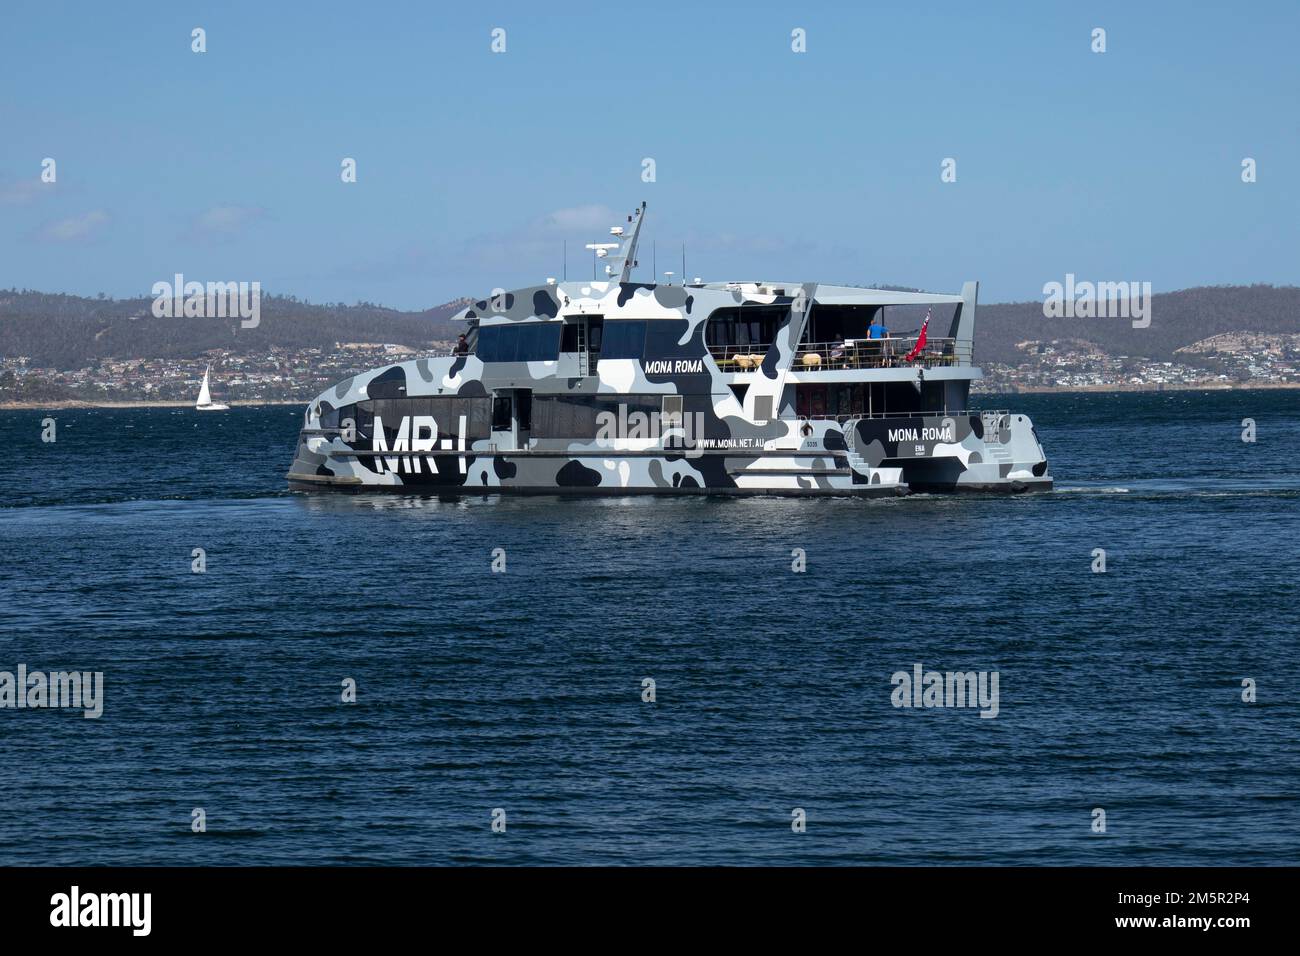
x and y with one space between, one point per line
205 396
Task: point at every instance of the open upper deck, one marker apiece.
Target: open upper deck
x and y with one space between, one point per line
818 332
725 328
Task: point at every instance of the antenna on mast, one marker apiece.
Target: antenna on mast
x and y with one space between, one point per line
625 244
627 254
601 249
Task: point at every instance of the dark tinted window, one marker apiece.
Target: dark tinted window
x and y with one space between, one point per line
576 416
524 408
745 325
519 342
502 413
446 411
623 340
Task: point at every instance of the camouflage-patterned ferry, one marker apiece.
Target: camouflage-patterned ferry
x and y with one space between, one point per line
704 387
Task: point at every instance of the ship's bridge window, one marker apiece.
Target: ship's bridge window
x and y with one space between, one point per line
519 342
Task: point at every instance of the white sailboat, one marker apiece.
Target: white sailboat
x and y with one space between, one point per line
205 402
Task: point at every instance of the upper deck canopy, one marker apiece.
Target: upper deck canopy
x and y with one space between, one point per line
756 291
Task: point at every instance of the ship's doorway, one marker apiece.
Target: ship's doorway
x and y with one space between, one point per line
583 335
512 418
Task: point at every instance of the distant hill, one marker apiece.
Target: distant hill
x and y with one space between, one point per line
70 332
1177 319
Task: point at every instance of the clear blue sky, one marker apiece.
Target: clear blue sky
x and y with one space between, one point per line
473 166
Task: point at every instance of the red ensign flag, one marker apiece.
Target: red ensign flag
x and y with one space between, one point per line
920 340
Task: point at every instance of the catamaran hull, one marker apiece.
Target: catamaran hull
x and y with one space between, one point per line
315 486
312 486
988 452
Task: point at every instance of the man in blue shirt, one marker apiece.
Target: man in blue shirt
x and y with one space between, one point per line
877 330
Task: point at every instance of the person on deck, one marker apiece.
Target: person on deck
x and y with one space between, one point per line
878 330
462 345
837 352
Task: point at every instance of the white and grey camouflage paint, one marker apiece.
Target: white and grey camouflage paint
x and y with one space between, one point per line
739 453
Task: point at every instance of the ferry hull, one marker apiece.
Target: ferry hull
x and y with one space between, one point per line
864 491
980 452
983 452
602 473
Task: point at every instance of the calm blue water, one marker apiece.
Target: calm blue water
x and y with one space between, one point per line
523 690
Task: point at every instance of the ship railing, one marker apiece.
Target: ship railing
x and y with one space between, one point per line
850 355
989 414
738 358
854 354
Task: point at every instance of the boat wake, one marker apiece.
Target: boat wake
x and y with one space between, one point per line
1186 489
